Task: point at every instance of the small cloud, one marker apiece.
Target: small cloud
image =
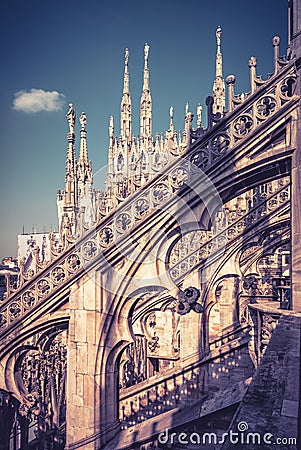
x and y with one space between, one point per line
37 100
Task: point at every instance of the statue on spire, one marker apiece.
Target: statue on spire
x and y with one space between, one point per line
218 38
146 51
127 56
171 124
199 111
83 121
219 85
71 118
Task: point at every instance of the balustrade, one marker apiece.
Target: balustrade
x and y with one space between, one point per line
178 387
196 247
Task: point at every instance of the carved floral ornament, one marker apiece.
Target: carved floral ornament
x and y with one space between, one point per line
197 247
188 300
145 201
40 375
183 258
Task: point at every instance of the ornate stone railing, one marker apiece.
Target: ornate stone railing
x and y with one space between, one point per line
178 386
201 245
208 148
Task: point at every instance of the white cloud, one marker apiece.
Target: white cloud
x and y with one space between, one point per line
37 100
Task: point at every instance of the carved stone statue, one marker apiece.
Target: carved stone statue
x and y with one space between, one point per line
146 51
199 114
127 56
218 36
83 121
71 118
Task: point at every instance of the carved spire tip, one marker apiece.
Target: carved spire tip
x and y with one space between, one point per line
127 53
71 118
218 37
276 41
83 120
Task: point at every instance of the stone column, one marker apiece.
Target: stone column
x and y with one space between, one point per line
81 377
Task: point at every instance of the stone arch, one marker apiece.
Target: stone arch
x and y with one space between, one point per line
224 312
35 374
109 353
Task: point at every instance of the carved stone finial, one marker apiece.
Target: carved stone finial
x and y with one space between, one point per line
83 121
199 111
186 108
276 42
219 84
127 53
171 124
71 118
111 126
253 76
252 61
230 79
218 37
146 52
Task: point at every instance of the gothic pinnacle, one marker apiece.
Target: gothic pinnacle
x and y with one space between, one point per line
83 141
126 88
146 101
219 84
126 104
146 71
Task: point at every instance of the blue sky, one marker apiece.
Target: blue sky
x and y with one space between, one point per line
76 49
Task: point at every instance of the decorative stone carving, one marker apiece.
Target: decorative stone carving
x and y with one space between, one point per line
206 152
40 375
190 250
187 301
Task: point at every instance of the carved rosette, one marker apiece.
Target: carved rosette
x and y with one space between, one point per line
243 125
15 310
201 158
89 250
141 207
28 299
106 236
123 222
58 275
220 143
266 106
43 287
160 193
73 263
286 87
178 177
